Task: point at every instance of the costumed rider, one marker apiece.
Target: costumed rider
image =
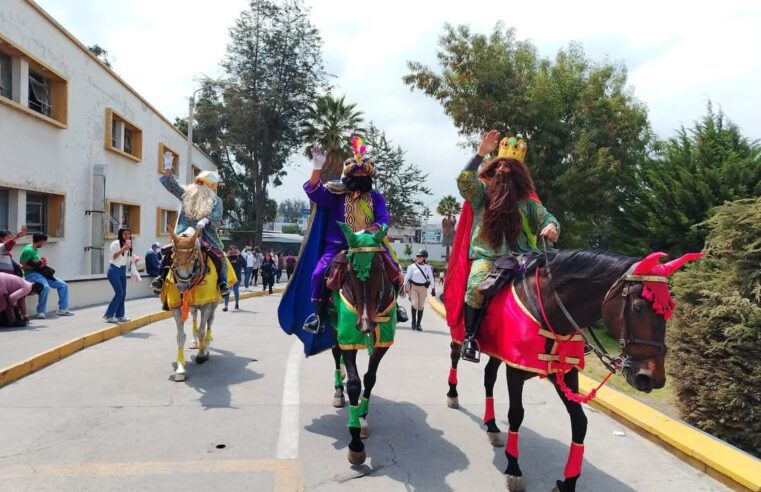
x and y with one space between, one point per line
507 215
201 209
352 201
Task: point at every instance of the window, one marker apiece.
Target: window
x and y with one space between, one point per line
122 215
4 218
36 212
123 137
39 94
175 162
164 220
5 76
196 171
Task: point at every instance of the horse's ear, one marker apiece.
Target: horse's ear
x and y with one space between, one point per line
348 233
172 233
380 234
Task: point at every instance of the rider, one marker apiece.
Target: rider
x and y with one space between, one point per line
353 201
506 216
201 209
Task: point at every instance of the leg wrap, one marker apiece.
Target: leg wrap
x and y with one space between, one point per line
338 379
354 417
575 457
452 376
364 407
511 447
489 410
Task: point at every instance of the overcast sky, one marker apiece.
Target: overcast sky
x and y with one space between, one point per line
678 54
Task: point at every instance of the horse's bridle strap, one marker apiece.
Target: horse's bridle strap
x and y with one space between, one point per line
369 249
645 278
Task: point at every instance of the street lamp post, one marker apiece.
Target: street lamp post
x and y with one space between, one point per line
191 110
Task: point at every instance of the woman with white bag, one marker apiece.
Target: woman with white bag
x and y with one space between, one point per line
120 257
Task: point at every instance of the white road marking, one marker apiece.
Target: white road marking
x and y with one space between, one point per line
288 440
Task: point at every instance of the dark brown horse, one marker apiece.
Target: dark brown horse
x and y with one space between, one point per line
589 286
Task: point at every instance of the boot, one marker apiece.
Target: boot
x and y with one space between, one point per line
166 261
470 348
414 319
419 319
401 315
313 323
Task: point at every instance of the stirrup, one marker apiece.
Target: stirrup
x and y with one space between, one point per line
312 324
224 289
157 284
401 315
471 350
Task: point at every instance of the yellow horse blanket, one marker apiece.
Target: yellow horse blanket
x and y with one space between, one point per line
204 292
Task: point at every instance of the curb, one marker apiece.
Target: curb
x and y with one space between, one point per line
25 367
716 458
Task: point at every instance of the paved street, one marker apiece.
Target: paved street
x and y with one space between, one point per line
258 416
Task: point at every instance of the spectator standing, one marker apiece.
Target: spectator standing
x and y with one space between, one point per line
13 291
237 261
258 259
153 260
119 259
290 265
280 261
418 282
7 241
248 265
36 269
268 272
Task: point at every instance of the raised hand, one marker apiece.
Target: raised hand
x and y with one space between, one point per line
168 161
489 143
318 156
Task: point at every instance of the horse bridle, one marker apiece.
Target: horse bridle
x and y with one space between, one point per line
369 249
196 257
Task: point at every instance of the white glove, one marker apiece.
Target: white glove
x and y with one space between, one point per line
202 223
168 160
318 157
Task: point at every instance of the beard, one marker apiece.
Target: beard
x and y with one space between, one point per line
197 201
362 184
501 222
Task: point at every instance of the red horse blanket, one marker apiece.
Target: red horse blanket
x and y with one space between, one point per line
508 331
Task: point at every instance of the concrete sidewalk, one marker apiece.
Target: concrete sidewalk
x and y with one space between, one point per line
43 334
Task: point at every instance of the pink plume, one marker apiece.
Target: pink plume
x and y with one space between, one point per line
674 265
649 264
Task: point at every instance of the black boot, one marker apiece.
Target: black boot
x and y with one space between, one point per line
419 319
166 262
414 319
470 349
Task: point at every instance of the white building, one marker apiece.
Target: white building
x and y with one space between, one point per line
80 150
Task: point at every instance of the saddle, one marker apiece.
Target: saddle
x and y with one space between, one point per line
505 269
340 266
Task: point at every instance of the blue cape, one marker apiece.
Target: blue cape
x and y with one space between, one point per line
296 304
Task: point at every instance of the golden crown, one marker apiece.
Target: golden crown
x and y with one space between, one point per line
513 148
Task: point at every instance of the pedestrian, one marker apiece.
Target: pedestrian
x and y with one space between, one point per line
280 262
153 260
268 272
441 277
258 259
7 241
36 269
120 256
418 282
237 261
13 292
290 265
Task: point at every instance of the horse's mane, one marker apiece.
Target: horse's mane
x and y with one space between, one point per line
588 264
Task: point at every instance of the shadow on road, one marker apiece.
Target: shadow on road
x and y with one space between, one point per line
214 378
401 446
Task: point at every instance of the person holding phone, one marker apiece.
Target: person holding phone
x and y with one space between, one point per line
120 257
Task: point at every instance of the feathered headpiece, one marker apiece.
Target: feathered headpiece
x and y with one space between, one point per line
359 161
654 276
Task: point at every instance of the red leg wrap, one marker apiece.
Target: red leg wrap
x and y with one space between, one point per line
575 457
489 411
512 444
452 376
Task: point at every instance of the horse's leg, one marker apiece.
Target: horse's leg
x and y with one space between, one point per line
369 380
578 433
490 378
194 341
179 371
513 474
357 454
207 315
339 401
452 399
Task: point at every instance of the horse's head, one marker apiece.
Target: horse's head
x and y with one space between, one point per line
367 286
635 310
187 261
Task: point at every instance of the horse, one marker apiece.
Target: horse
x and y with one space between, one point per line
364 317
546 304
191 285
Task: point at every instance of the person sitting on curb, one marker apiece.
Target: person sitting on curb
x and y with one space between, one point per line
36 269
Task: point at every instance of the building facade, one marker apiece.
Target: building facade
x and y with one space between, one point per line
80 150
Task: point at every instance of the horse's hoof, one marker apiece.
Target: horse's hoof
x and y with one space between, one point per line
193 345
357 457
179 377
555 489
364 430
495 439
453 402
201 358
514 483
339 401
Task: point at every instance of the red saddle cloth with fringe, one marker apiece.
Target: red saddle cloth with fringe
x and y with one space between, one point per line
508 331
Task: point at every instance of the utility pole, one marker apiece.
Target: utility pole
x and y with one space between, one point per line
191 112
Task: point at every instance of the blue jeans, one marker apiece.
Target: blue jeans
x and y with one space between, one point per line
236 291
59 285
117 276
249 271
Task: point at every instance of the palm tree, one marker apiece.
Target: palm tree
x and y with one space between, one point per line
449 207
331 123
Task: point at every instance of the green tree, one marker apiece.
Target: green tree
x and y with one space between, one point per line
102 54
688 176
331 122
291 209
449 208
715 335
585 130
292 229
402 183
408 250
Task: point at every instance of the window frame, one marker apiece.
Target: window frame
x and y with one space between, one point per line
43 206
162 228
6 76
43 85
5 210
133 218
115 121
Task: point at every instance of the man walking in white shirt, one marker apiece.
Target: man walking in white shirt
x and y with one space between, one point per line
418 282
